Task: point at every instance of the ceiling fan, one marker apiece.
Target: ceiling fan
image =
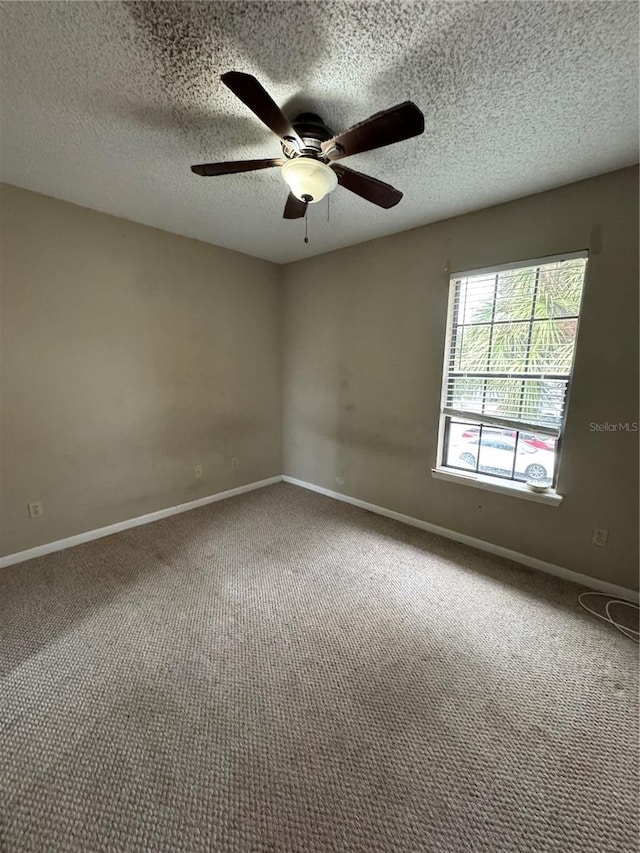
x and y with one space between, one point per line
311 150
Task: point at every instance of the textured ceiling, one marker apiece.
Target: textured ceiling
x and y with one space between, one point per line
108 104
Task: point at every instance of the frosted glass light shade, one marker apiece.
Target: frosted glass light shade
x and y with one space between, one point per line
309 177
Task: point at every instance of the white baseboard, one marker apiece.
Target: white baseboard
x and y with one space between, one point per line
79 538
481 545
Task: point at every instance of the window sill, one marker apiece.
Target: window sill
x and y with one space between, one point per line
514 489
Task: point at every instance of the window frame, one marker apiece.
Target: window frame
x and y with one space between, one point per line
495 482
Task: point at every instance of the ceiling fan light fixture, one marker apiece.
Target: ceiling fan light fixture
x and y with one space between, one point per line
309 179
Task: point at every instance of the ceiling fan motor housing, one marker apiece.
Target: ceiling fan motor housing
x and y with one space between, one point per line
313 132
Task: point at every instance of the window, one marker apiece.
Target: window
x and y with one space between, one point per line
508 359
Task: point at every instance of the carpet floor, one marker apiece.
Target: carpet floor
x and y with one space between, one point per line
283 672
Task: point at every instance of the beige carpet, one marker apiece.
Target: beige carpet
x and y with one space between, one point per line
282 672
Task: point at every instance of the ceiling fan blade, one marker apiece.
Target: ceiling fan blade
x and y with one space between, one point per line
371 189
393 125
230 168
255 96
294 208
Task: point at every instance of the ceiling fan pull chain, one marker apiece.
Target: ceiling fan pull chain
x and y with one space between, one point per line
328 206
306 221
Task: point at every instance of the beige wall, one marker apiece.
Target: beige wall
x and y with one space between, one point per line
364 340
129 356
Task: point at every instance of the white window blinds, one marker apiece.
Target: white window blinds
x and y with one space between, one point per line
511 343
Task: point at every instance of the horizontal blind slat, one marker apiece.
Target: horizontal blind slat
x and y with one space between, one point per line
462 415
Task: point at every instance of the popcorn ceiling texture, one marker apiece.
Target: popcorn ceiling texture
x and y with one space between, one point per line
108 104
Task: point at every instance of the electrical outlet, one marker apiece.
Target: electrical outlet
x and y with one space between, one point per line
234 462
198 471
35 509
600 537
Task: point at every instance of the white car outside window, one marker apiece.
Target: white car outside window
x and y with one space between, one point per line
496 453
